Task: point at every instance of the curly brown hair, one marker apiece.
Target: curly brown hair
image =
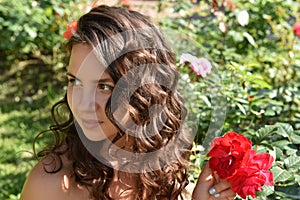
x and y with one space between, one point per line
138 59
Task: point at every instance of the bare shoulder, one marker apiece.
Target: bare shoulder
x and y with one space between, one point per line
48 186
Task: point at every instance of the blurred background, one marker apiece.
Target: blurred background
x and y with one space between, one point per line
254 87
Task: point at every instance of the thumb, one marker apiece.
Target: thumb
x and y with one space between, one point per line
204 183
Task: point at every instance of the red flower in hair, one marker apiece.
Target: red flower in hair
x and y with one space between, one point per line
95 5
71 28
125 2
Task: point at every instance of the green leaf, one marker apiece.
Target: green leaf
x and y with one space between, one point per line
241 100
263 134
269 112
267 190
279 153
258 81
31 31
266 146
292 162
281 143
250 39
288 192
206 100
236 36
297 178
280 175
295 138
291 150
242 109
284 129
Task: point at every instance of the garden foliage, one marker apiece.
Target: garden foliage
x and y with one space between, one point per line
32 49
253 87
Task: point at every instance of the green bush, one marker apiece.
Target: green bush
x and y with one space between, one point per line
33 29
254 87
32 49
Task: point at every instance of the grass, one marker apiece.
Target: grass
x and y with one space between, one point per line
18 129
25 101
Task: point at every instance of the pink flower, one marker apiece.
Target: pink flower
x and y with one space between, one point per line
252 174
296 29
201 66
71 28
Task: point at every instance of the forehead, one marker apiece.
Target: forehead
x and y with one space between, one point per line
84 63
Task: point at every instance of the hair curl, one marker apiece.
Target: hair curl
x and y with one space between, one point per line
126 40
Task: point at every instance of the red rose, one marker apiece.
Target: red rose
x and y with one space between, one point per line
227 153
252 174
296 29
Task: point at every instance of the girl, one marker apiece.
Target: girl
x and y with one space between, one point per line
119 128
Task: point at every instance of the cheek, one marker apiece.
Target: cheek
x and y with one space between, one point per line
70 97
101 100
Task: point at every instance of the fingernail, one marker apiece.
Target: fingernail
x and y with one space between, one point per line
217 195
212 190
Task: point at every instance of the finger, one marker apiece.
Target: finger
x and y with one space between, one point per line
219 187
206 172
216 177
205 181
229 194
230 198
225 194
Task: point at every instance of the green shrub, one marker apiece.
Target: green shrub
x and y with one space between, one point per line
33 29
254 87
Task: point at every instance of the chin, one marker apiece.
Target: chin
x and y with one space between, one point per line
94 134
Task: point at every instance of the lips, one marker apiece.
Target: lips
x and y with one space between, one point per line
90 123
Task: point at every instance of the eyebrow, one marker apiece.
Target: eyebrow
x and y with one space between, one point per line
73 76
101 80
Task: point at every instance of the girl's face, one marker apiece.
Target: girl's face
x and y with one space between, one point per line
89 88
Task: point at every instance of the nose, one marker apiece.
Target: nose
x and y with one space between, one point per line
87 100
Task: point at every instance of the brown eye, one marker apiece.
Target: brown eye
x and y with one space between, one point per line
105 87
74 82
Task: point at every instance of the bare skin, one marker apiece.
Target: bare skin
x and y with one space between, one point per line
46 186
208 180
59 186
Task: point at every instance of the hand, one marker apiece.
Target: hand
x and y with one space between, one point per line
210 187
